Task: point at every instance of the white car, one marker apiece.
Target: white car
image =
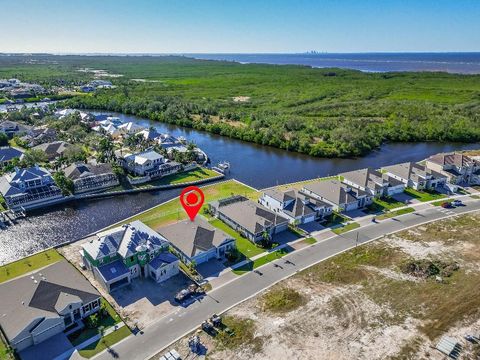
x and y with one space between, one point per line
457 202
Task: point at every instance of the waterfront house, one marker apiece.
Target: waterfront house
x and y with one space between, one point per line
167 141
295 206
459 169
342 197
7 154
142 163
416 176
29 188
248 218
60 114
148 165
90 177
130 128
54 149
150 134
126 252
41 305
373 182
197 241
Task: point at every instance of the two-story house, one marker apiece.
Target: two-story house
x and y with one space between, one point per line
143 163
29 188
416 176
90 177
341 196
373 182
459 169
126 252
295 206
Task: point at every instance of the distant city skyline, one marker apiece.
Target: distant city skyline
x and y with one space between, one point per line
188 26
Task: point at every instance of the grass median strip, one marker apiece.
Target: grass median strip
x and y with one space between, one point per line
29 264
396 213
105 342
251 265
345 228
424 195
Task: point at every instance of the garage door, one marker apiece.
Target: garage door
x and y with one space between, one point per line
281 228
204 257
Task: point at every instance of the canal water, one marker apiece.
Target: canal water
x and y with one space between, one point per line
255 165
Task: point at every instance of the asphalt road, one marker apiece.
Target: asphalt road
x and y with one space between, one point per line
166 330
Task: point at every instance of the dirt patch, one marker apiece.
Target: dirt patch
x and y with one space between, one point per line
360 305
241 99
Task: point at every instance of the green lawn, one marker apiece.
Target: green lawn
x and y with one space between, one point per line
105 342
172 211
300 184
189 176
396 213
310 240
245 246
424 195
345 228
29 264
4 353
106 321
388 203
335 219
251 265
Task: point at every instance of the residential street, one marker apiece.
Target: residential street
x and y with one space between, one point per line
168 329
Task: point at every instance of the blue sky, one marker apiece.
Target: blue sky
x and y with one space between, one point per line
182 26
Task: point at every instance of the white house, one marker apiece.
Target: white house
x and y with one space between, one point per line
416 176
373 182
295 206
341 196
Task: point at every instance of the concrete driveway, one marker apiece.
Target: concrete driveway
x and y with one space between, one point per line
49 349
144 300
311 227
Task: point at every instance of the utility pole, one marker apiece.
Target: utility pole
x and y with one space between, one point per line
356 240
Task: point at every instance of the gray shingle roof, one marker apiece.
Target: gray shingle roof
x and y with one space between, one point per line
456 159
368 178
7 153
80 170
250 215
193 237
334 191
22 300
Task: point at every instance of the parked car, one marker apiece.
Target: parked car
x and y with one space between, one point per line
457 202
446 205
191 291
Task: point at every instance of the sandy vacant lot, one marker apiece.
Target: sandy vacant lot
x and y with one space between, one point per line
380 301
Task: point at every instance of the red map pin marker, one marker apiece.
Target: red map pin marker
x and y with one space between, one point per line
192 199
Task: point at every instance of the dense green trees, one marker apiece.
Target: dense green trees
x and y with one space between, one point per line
321 112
